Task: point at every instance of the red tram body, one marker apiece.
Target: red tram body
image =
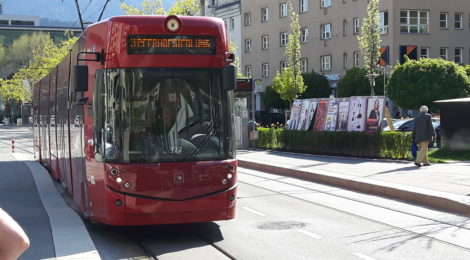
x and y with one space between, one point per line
136 121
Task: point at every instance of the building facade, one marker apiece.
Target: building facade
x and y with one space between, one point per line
329 28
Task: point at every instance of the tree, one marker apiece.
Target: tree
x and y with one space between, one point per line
272 99
233 47
369 41
41 62
355 83
420 82
289 82
317 86
155 7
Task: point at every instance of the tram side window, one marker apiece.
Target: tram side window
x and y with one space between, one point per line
98 111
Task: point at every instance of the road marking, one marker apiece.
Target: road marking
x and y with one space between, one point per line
254 211
365 257
308 233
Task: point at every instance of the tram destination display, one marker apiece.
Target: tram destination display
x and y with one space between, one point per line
171 44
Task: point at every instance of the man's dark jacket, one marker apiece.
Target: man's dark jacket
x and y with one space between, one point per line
422 128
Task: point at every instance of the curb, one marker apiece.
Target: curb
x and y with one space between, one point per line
449 202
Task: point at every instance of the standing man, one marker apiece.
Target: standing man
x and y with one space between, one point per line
423 133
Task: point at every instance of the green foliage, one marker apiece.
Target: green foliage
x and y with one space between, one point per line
270 138
272 99
394 145
369 40
467 69
290 82
420 82
317 86
442 155
354 83
233 47
155 7
42 60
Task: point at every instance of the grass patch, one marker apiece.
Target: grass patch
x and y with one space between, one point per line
443 155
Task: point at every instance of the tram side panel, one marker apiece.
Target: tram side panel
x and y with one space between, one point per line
76 136
36 124
53 124
44 110
63 121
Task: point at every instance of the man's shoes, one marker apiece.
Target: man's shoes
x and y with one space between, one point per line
426 164
418 164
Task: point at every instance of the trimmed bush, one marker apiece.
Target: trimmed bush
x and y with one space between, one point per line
395 145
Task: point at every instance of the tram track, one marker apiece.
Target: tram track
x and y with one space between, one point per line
359 201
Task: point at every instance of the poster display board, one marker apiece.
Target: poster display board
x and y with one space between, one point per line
303 114
312 106
331 115
295 114
343 112
320 116
357 110
375 109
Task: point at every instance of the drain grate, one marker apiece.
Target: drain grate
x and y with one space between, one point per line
281 225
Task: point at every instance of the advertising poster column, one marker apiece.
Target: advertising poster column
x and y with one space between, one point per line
303 114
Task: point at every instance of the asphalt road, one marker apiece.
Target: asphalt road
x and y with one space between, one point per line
286 218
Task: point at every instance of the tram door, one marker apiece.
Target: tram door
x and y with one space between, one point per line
241 118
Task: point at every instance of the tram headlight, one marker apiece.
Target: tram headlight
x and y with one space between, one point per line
224 181
118 180
229 176
127 185
114 171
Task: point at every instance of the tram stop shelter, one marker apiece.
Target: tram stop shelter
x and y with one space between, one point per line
455 123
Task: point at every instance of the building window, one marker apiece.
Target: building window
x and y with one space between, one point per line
304 35
303 6
356 59
304 65
265 68
283 65
248 45
248 71
325 31
247 18
384 22
264 14
424 53
458 21
325 63
414 21
325 3
443 53
265 42
4 22
345 60
356 25
283 10
458 55
232 23
444 21
19 22
284 38
345 27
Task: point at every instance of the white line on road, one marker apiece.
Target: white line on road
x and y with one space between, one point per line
254 211
365 257
308 233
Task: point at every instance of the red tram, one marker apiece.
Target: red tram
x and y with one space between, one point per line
136 121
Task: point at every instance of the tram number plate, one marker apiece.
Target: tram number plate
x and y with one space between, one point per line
176 149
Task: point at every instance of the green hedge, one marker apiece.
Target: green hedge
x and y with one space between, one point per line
394 145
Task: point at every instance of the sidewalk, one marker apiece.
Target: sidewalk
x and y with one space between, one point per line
28 194
443 186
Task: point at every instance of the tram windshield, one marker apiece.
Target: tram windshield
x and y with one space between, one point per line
162 115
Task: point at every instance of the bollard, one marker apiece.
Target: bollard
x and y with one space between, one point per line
12 146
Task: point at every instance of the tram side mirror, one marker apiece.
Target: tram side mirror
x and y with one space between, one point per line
81 78
229 77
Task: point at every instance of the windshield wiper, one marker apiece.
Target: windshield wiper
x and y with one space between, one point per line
211 132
